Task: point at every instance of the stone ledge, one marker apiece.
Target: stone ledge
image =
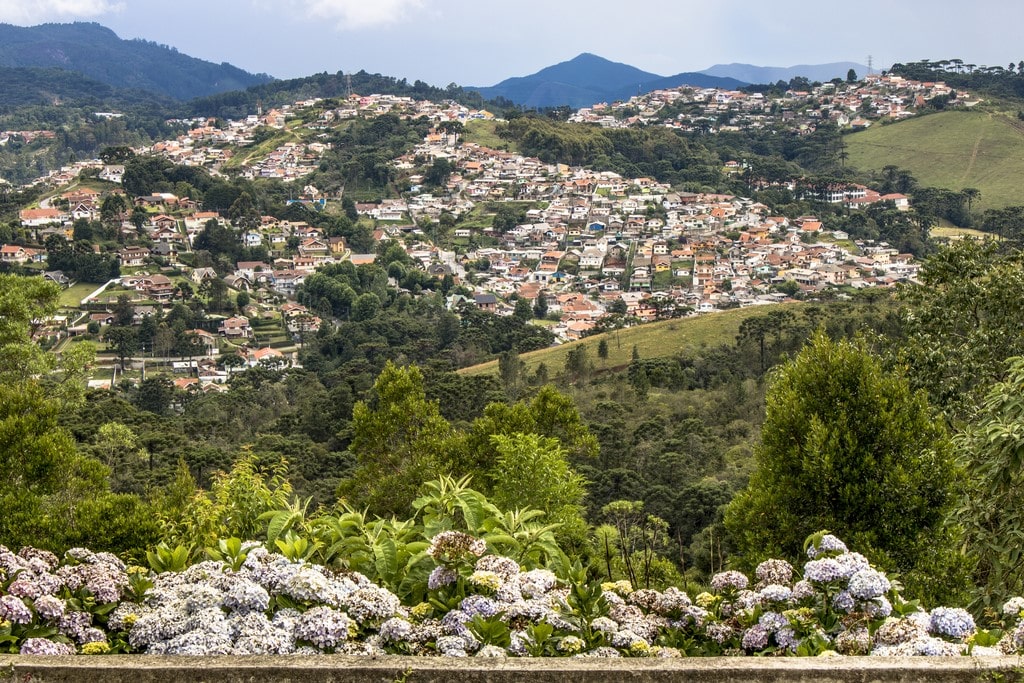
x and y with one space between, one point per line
338 668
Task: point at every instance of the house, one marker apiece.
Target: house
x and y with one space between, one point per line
12 253
238 281
314 247
158 287
198 220
201 275
251 269
486 302
901 201
236 328
35 218
133 256
592 258
84 210
163 222
337 245
287 281
112 173
265 355
105 318
158 199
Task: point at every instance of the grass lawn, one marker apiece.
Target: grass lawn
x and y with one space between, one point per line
953 150
73 295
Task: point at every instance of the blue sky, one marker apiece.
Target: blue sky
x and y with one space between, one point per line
482 42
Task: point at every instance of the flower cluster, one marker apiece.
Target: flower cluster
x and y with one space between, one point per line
45 595
474 604
451 546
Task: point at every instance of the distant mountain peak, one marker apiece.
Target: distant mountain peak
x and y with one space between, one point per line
587 79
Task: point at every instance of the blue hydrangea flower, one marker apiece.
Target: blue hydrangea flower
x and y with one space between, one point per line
828 544
825 570
843 601
952 622
867 584
773 622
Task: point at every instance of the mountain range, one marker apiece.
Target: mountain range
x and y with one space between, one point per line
588 79
96 53
774 74
99 54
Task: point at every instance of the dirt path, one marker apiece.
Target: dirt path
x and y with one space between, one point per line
974 157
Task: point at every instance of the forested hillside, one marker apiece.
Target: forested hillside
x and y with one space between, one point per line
97 53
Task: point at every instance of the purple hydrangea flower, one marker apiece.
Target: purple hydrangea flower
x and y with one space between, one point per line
14 610
755 638
777 572
729 580
775 593
773 622
843 601
42 646
474 605
441 576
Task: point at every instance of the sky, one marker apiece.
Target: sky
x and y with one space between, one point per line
483 42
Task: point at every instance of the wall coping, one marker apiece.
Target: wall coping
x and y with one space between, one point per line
336 668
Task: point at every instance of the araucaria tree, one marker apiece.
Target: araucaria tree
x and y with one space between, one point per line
847 446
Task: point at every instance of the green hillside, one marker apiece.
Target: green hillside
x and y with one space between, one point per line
663 338
954 150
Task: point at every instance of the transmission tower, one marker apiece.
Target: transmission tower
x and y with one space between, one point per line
869 65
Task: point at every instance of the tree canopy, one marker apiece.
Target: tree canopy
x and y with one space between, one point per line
847 446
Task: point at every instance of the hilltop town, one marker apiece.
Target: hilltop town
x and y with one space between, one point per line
582 247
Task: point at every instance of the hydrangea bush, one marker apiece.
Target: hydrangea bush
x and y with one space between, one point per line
477 604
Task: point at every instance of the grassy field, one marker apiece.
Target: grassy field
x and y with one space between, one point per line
954 150
954 233
664 338
73 295
483 133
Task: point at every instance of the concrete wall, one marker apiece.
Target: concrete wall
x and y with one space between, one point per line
335 669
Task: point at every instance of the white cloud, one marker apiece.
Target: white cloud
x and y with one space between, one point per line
25 12
354 14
